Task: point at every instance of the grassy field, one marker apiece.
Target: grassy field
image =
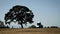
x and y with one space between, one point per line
31 31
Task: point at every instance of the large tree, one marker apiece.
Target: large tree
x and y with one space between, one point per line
20 14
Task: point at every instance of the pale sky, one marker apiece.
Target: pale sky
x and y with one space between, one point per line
45 11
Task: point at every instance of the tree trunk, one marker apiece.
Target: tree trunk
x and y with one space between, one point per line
21 25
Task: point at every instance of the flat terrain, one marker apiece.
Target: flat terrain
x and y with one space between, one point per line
30 31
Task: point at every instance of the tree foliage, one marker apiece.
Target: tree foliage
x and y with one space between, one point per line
40 25
33 26
54 27
20 14
1 23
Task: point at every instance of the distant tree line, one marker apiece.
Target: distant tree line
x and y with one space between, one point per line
39 26
52 27
32 26
2 25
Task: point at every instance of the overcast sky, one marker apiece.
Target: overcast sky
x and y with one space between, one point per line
45 11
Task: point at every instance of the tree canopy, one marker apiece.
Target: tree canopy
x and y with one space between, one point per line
20 14
40 25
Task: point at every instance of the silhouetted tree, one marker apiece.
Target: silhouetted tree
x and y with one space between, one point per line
48 27
1 24
20 14
40 25
54 27
33 26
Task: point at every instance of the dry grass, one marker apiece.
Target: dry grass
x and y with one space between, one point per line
31 31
